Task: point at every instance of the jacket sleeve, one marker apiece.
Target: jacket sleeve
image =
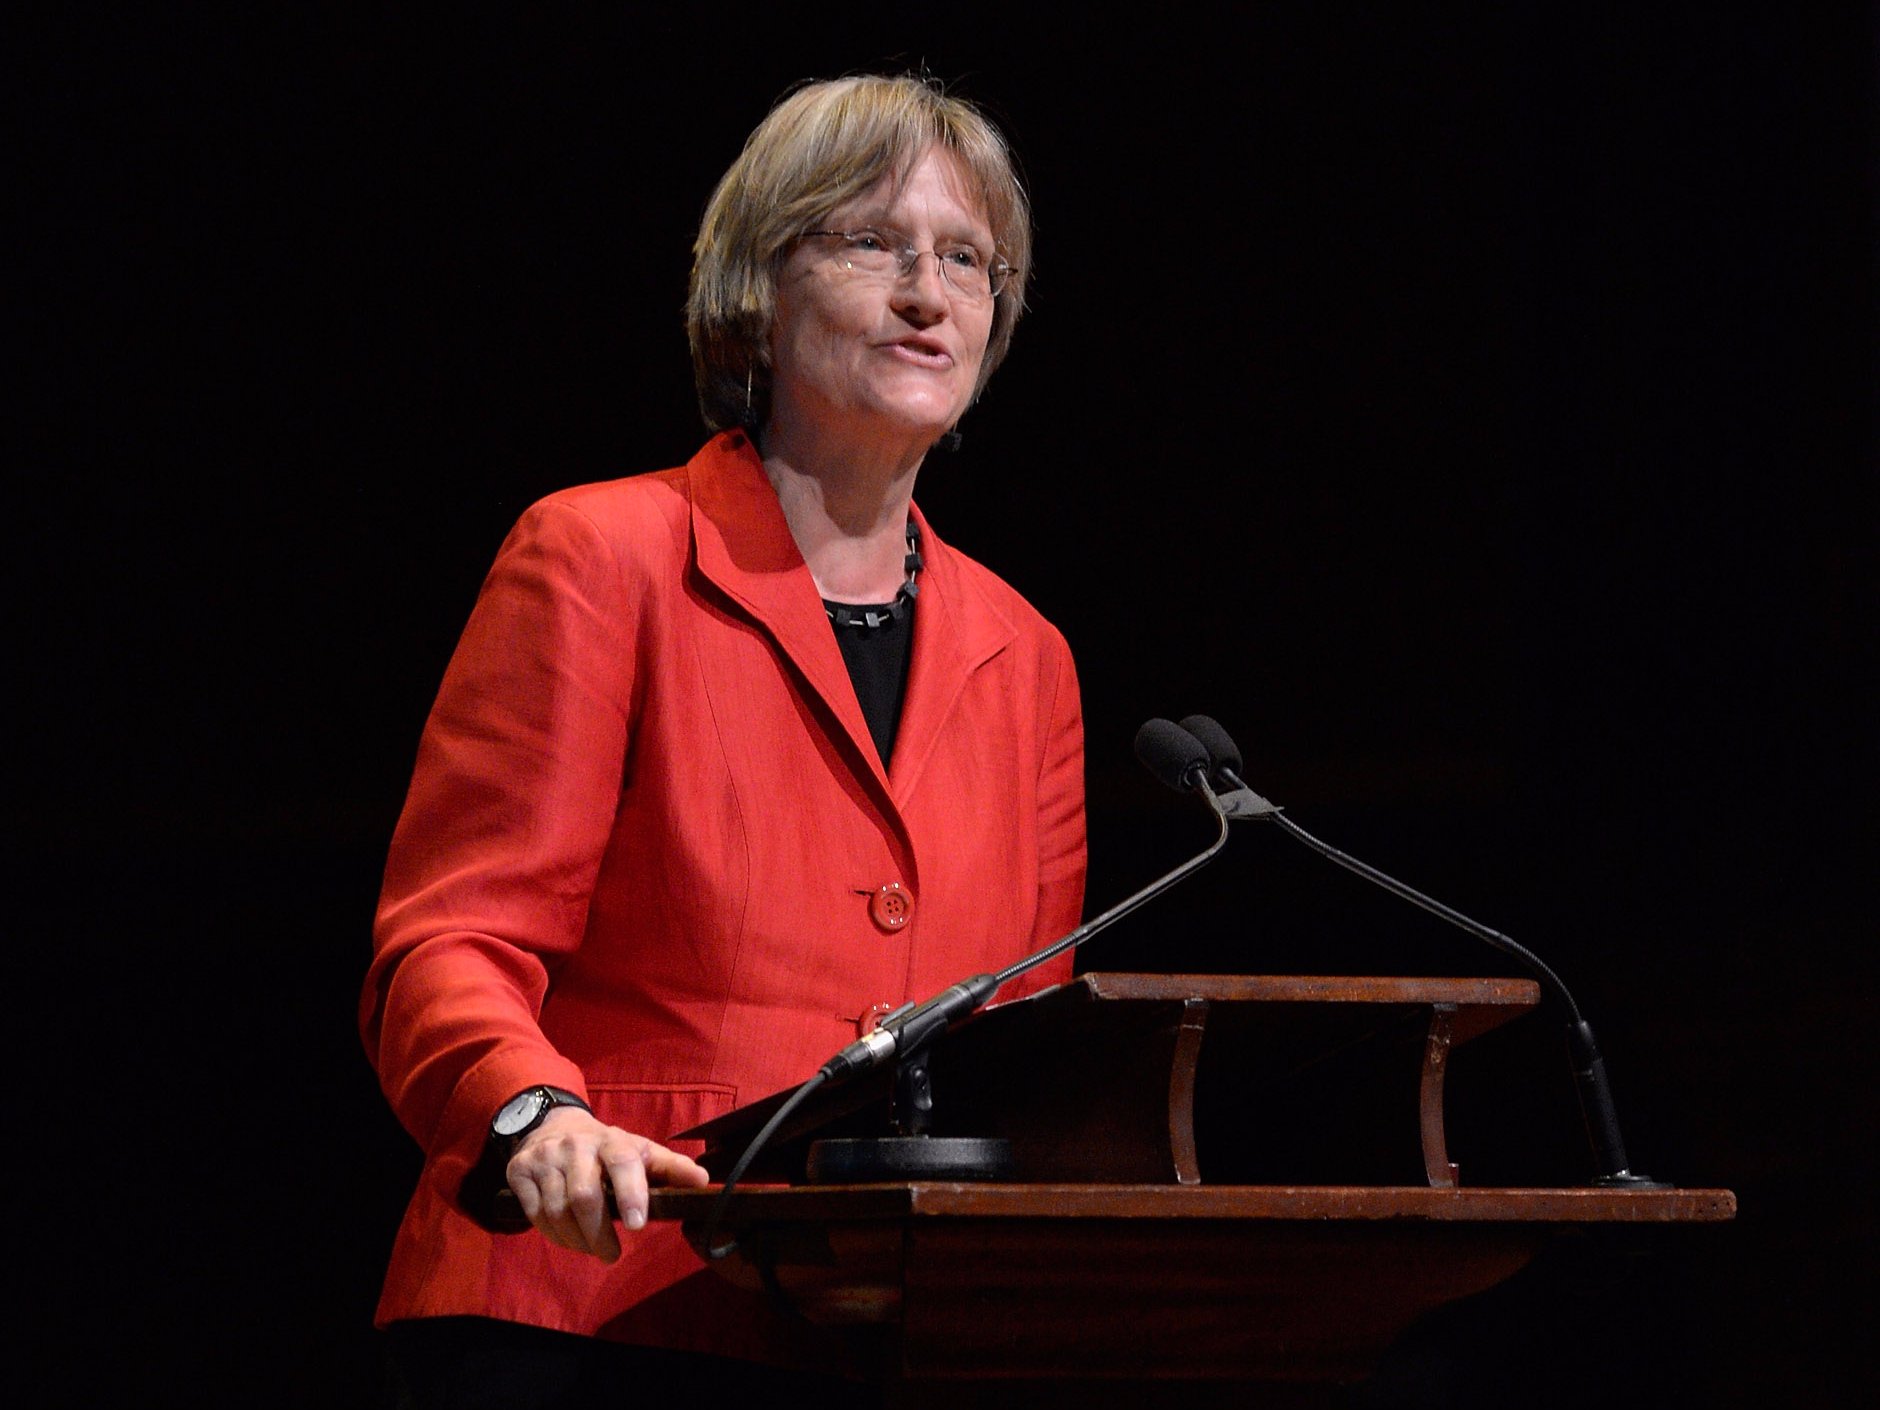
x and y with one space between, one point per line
495 855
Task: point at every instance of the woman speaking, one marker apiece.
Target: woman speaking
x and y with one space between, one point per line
731 759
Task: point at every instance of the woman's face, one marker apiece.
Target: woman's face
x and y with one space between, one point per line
873 361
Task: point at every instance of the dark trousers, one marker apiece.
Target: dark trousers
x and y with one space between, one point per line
478 1363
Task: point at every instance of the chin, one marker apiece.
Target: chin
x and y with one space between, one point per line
927 418
917 419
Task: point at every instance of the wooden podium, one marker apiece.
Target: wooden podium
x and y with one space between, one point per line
1213 1177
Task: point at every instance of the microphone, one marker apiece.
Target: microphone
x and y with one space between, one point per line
1223 753
1589 1068
1240 801
1173 754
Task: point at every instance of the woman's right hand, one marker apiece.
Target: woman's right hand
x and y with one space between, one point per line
562 1170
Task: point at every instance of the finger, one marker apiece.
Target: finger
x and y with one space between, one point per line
535 1169
553 1218
588 1213
528 1194
626 1169
669 1167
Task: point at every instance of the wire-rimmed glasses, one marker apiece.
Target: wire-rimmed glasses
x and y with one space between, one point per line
877 252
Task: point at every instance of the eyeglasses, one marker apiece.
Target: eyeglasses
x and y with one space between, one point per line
889 255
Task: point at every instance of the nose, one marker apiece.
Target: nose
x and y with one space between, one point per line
921 295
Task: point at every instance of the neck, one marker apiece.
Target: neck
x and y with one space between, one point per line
847 509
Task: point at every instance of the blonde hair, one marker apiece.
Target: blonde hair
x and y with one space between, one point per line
822 146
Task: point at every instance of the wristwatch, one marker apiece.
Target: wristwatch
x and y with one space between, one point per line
525 1111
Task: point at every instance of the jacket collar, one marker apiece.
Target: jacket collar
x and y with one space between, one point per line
743 545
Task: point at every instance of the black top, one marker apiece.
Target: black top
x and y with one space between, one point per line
877 657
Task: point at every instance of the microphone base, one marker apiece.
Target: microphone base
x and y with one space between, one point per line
1628 1180
891 1159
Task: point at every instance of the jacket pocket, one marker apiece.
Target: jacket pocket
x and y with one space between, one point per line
657 1109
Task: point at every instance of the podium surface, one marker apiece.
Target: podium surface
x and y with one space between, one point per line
1136 1239
1067 1281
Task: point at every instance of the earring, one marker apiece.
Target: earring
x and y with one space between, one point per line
747 396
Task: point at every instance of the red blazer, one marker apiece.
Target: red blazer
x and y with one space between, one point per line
644 841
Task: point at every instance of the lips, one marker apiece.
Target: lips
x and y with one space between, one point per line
922 352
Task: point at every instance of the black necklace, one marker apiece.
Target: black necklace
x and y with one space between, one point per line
845 615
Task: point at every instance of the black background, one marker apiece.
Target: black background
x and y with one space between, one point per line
1473 411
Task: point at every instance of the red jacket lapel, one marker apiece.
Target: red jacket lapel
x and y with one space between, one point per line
744 548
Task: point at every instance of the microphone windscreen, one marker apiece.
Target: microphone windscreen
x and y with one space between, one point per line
1171 753
1223 753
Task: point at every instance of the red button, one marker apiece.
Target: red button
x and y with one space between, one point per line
871 1019
891 906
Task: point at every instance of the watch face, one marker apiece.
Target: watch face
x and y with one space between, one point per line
518 1112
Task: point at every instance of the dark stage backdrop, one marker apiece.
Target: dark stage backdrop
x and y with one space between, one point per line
1473 412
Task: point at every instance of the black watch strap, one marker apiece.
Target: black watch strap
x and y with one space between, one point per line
527 1110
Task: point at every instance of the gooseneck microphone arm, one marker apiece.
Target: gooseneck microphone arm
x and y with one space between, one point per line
1537 966
1589 1068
